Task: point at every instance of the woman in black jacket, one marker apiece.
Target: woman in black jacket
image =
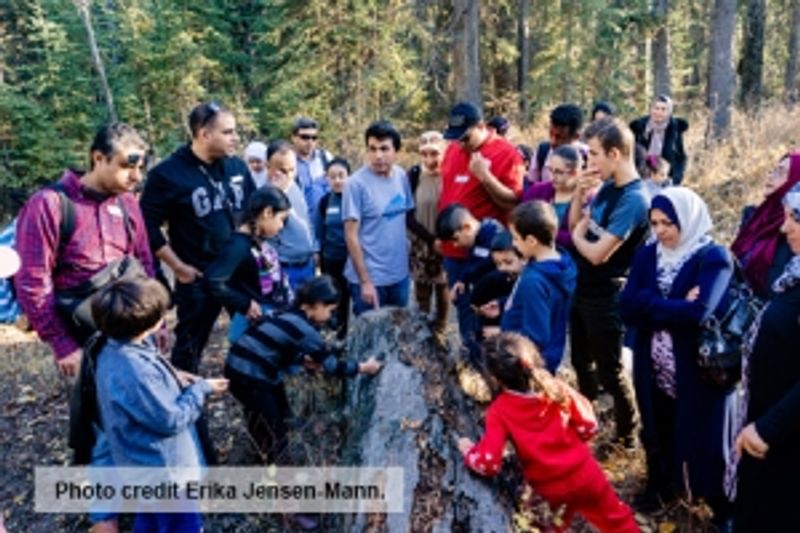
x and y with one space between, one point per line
768 445
661 134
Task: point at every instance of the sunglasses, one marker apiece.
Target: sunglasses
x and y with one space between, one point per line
213 109
308 136
135 160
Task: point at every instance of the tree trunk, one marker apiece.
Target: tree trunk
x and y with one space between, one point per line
83 11
790 80
642 97
662 83
524 59
411 415
698 12
752 62
721 73
466 51
566 79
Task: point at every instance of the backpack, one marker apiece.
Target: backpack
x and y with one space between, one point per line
83 408
541 154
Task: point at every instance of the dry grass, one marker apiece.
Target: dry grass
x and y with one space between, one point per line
728 174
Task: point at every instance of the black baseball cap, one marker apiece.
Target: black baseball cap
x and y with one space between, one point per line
462 117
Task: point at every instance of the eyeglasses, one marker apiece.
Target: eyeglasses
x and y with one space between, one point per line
558 172
308 136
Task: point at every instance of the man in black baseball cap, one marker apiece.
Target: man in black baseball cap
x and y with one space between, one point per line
483 172
462 117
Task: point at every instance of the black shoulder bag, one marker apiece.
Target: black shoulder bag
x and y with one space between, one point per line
723 334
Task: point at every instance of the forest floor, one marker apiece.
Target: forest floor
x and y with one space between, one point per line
34 421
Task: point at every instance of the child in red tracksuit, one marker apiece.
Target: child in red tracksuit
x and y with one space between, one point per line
548 422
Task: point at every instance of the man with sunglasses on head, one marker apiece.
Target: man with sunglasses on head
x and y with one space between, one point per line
106 225
483 172
311 162
66 234
199 192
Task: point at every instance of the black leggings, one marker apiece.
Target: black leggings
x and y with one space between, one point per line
266 409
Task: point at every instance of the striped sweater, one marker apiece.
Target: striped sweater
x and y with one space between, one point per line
279 343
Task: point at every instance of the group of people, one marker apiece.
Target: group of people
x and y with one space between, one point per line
567 244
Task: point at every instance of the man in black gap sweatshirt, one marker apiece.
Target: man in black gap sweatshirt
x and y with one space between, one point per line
199 191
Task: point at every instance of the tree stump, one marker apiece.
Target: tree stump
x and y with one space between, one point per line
410 415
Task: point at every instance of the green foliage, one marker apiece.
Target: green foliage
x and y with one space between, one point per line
344 62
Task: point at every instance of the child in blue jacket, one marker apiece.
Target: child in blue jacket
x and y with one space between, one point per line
539 305
147 407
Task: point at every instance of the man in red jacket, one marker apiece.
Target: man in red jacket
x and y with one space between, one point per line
483 172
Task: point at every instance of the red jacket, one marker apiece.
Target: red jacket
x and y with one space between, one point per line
548 437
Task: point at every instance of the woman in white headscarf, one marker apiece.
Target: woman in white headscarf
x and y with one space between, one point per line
661 135
676 281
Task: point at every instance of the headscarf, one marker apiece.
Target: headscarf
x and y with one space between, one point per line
689 212
758 238
657 130
791 273
257 150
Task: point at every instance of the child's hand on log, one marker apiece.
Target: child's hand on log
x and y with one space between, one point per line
371 366
465 444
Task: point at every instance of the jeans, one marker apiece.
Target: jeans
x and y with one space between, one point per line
239 323
168 523
335 269
297 274
596 334
467 319
395 294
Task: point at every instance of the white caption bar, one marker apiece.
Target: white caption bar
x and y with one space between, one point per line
264 489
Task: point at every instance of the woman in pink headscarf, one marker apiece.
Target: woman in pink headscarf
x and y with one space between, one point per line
760 246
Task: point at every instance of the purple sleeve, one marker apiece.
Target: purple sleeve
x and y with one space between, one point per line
564 236
543 190
37 243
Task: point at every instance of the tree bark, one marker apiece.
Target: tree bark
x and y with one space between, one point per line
721 73
790 79
752 54
466 52
83 10
662 83
524 59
